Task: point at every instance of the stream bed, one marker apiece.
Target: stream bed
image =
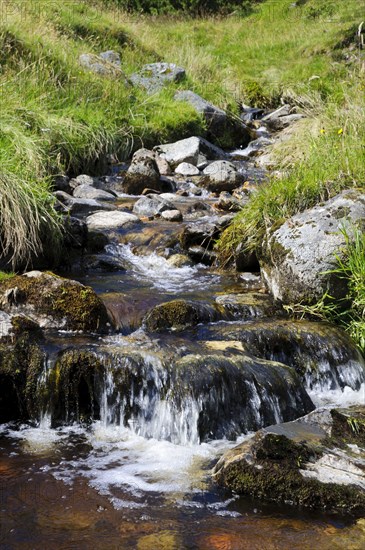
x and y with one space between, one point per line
131 466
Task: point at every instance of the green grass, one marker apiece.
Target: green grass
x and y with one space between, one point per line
55 117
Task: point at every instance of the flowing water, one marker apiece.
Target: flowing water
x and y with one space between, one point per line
138 475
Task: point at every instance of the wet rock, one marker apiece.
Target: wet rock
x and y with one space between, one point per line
75 233
162 164
21 363
220 125
87 192
96 241
104 262
245 260
201 255
254 148
53 302
221 176
201 233
106 64
348 426
281 118
61 183
151 205
78 207
247 306
6 327
239 393
251 281
110 220
322 354
172 215
296 463
193 150
297 258
177 315
186 169
154 76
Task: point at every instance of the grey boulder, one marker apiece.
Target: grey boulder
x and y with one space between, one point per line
110 220
151 205
88 192
221 176
154 76
298 258
194 150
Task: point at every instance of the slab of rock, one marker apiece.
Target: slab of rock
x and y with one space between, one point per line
178 315
154 76
53 302
151 205
187 169
76 206
110 220
193 150
221 175
219 124
296 260
298 463
87 192
247 306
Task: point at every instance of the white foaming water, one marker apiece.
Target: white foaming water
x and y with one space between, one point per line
337 397
157 271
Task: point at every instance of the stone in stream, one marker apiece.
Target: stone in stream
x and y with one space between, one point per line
82 179
177 315
187 169
221 175
193 150
172 215
203 233
88 192
142 173
300 463
220 126
228 203
53 302
154 76
247 306
179 260
78 207
298 258
322 354
201 255
151 205
162 164
110 220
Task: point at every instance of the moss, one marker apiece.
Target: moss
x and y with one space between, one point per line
276 476
60 298
177 314
20 367
349 425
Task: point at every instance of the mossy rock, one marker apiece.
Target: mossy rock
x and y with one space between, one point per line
349 424
53 302
177 315
274 467
21 364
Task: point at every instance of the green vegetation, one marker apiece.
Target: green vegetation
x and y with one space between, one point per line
56 117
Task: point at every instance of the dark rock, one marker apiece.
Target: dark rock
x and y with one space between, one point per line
201 255
220 126
75 233
228 203
202 233
61 183
142 173
246 260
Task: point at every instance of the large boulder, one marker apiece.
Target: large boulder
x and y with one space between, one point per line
53 302
298 462
221 175
154 76
143 173
298 258
194 150
220 126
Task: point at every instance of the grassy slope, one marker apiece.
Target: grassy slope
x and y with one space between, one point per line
56 117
